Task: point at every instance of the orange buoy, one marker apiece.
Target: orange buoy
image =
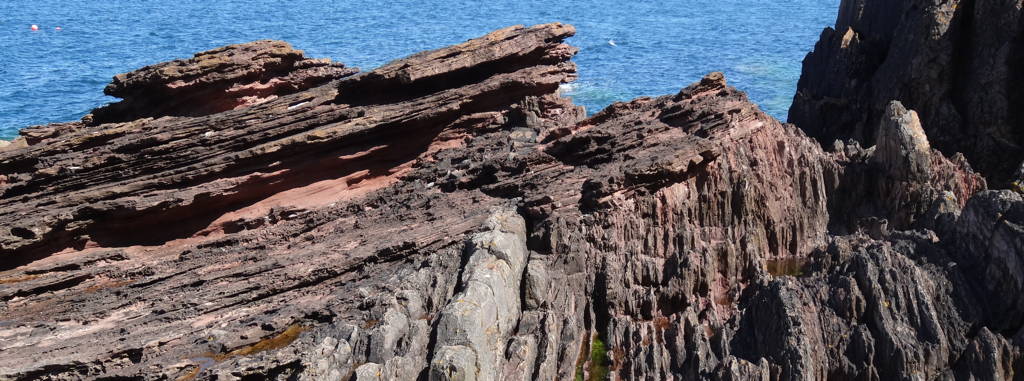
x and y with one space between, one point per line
35 27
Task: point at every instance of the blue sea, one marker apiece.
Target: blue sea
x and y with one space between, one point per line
627 48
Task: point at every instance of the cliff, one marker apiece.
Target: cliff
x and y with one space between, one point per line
958 63
449 216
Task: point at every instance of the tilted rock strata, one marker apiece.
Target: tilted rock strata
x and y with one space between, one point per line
958 63
217 80
118 184
449 217
173 183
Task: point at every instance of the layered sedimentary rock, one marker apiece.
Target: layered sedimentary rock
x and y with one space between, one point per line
217 80
118 184
449 216
958 63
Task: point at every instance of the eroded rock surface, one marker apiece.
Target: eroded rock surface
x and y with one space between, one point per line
958 63
217 80
900 182
449 216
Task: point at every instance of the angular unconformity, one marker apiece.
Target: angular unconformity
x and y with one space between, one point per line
677 234
487 230
642 220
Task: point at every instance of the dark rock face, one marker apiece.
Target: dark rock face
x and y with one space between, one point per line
958 63
448 216
901 180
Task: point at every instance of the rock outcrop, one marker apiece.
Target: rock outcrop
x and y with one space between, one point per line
118 184
958 63
214 81
449 216
900 180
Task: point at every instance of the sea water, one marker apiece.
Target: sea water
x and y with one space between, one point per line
627 48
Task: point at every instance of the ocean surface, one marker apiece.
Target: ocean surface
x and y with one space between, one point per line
627 48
